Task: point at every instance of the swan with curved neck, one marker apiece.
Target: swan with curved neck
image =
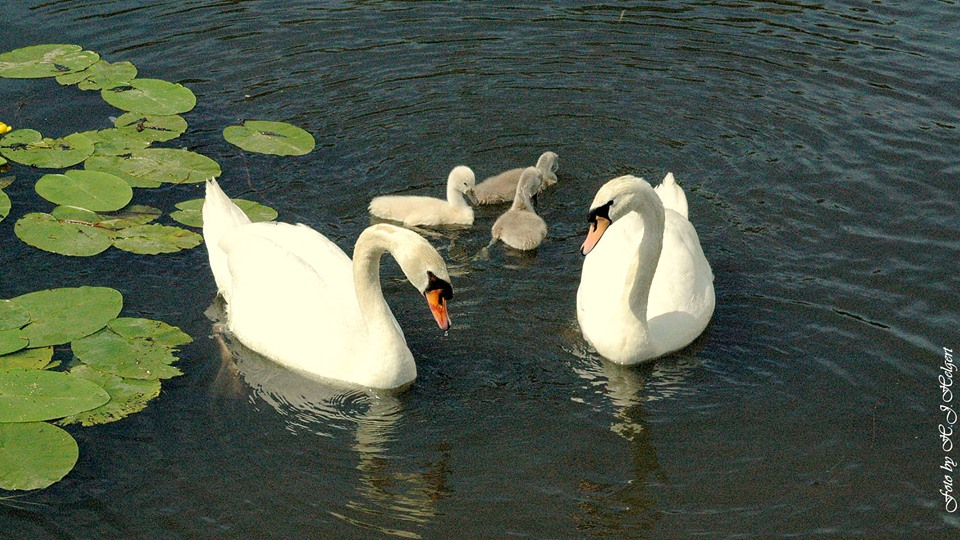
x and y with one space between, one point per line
296 298
520 227
646 289
502 187
412 210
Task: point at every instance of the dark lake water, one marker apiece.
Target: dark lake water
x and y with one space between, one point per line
817 143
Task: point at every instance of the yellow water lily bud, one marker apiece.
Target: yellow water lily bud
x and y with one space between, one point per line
4 128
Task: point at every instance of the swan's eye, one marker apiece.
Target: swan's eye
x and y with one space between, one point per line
436 284
600 212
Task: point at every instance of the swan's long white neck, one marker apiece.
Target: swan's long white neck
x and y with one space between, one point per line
386 340
643 267
455 196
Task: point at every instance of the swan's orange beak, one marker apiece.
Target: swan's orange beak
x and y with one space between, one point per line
438 306
597 227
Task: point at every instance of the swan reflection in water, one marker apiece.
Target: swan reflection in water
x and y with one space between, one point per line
387 498
630 505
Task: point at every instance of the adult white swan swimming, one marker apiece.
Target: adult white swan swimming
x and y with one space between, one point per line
295 297
646 289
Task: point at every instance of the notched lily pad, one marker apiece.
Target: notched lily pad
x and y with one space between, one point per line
5 205
39 358
115 142
190 213
93 190
100 75
115 166
277 138
127 396
157 332
151 128
62 315
151 96
39 61
154 239
130 358
133 215
35 455
33 395
30 147
169 165
46 232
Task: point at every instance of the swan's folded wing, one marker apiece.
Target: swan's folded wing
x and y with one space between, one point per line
672 195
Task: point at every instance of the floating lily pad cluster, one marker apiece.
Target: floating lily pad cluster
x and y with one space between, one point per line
118 155
105 367
115 370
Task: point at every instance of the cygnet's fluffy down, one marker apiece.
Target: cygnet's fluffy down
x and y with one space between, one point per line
502 187
414 210
521 227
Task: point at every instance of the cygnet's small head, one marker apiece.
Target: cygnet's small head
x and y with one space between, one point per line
530 183
615 199
463 180
548 161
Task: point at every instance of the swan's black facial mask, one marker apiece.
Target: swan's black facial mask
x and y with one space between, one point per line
437 293
436 284
599 220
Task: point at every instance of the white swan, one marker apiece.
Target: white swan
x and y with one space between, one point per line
296 298
502 187
646 289
414 210
520 227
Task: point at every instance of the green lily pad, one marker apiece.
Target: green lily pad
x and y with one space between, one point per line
62 315
43 231
277 138
93 190
127 396
157 332
151 96
35 395
76 214
12 315
100 75
4 205
154 239
115 142
130 358
114 165
39 358
151 128
45 61
135 214
12 341
35 455
29 147
190 213
167 165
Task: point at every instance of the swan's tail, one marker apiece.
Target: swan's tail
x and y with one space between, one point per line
672 195
220 216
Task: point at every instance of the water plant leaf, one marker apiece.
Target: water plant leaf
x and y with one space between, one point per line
93 190
151 128
4 205
100 75
127 396
39 61
135 214
39 358
114 166
190 212
30 147
35 455
264 137
62 315
35 395
130 358
154 239
157 332
115 142
12 315
167 165
151 96
75 214
44 231
12 341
